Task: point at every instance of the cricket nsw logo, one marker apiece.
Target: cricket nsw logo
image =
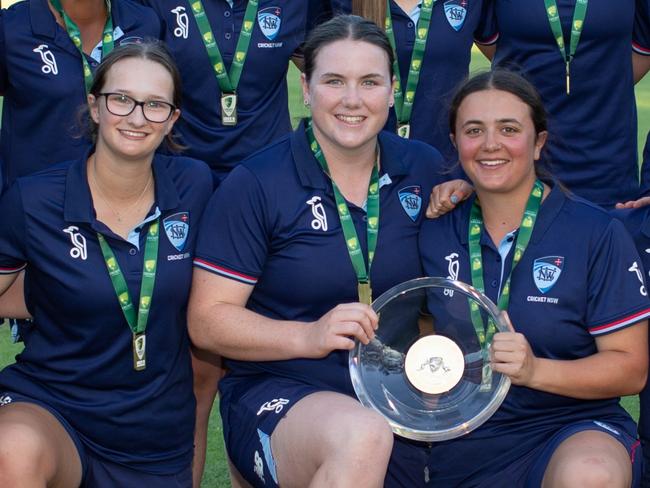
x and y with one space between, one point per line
182 22
78 241
48 59
546 272
269 19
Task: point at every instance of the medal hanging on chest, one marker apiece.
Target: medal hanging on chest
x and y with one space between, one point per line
137 322
228 82
404 99
364 289
485 331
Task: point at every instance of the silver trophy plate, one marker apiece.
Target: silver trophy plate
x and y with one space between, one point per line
425 371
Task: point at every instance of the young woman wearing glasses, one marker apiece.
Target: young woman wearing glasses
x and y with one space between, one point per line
102 394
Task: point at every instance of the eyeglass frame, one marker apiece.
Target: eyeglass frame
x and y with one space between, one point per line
138 103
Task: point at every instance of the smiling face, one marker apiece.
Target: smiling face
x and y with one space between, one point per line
496 141
133 137
349 92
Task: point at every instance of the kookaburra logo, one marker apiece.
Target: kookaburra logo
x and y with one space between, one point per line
49 62
317 209
182 21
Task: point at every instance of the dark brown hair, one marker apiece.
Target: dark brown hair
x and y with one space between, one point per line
340 28
374 10
507 81
152 51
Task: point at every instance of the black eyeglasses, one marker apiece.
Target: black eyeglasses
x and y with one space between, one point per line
153 110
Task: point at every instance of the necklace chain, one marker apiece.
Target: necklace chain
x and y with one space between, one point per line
102 195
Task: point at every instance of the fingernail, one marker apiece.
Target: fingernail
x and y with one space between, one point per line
454 199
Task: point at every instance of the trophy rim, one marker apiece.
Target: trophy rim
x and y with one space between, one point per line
459 429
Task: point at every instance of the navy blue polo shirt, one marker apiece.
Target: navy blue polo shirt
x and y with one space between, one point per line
564 293
79 358
273 224
592 144
445 65
262 103
41 79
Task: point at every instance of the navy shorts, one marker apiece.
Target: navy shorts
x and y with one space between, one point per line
99 473
528 471
252 408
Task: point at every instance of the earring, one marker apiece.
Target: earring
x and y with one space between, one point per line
390 104
306 102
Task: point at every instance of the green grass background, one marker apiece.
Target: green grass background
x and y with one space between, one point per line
216 474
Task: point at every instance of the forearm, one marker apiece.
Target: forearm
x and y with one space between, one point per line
12 300
207 373
605 374
235 332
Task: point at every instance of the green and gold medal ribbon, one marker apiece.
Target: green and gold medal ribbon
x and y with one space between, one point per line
228 82
404 101
579 14
485 333
349 231
73 31
137 322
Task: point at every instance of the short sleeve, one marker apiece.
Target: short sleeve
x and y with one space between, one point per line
617 294
641 33
12 232
234 236
487 30
3 56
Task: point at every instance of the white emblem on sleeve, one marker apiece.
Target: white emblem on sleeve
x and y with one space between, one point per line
181 21
635 269
49 62
78 242
452 269
317 209
276 405
258 466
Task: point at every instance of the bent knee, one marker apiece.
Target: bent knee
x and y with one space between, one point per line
25 457
367 431
591 471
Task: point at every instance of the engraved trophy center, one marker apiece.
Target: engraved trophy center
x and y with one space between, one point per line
434 364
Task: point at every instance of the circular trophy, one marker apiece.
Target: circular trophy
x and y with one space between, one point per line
427 371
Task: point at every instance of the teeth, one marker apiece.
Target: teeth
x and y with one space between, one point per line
492 162
350 119
133 133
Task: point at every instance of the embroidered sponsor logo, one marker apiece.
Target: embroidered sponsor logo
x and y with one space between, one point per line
270 19
411 199
456 13
452 270
78 241
49 61
258 466
177 228
546 272
276 405
5 400
635 269
182 22
318 211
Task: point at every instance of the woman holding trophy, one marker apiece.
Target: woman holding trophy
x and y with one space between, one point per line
578 307
294 245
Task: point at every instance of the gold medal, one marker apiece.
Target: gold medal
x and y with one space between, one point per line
404 130
139 352
365 293
229 109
